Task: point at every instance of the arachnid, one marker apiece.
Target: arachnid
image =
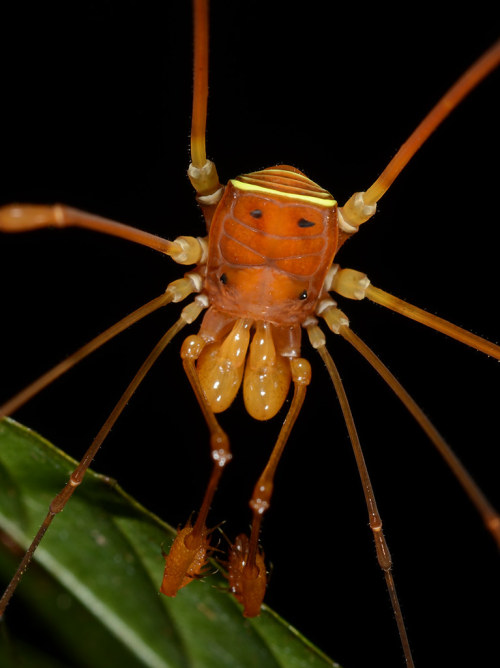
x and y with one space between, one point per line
432 259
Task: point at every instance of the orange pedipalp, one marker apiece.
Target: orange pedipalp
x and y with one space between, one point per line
186 558
247 582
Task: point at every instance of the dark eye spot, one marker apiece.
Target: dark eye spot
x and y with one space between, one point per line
305 223
303 295
223 279
256 213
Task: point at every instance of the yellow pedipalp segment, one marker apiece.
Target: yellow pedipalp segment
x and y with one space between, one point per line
329 203
220 366
267 375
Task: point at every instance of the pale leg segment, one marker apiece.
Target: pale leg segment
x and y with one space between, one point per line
355 284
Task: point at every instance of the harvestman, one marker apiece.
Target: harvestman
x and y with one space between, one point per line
194 544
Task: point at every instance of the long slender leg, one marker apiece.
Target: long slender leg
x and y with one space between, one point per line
13 404
355 284
489 515
247 575
202 172
433 321
339 324
361 206
317 340
176 291
26 217
200 82
189 313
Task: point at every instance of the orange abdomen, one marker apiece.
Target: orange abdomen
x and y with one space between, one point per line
272 239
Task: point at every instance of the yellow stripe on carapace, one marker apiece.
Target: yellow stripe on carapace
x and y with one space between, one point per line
289 174
303 198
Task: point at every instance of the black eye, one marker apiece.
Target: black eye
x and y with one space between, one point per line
223 279
303 295
305 223
256 213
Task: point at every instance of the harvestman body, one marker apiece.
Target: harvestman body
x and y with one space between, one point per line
264 275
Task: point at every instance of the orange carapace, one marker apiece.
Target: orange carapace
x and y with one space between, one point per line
272 239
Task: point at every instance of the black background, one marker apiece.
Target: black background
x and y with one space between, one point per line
95 112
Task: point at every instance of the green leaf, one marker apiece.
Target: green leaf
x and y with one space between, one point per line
101 604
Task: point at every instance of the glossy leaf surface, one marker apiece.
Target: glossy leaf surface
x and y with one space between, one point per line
104 555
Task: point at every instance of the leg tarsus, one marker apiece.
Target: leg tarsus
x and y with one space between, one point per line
247 582
186 558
